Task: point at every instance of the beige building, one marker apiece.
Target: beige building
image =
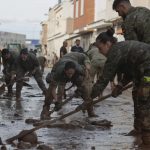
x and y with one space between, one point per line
43 37
59 25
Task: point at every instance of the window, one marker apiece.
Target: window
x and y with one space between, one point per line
77 10
82 7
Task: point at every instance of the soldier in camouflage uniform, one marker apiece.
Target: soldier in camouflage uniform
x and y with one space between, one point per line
42 62
136 24
27 63
8 59
136 21
128 57
97 61
72 67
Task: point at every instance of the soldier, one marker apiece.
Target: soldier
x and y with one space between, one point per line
136 21
8 59
73 67
97 60
129 57
27 63
42 62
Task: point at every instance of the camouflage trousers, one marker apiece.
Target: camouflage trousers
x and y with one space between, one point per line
37 76
8 83
141 97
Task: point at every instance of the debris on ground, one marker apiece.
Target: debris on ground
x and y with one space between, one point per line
44 147
31 121
31 138
101 123
24 145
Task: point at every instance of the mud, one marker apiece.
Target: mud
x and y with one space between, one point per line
77 132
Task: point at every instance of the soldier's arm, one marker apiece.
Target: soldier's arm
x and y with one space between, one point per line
87 63
102 61
109 70
129 29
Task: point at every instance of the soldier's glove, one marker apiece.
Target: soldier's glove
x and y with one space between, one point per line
57 106
117 91
13 77
48 78
78 93
96 91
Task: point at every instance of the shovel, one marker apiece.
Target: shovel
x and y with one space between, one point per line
46 123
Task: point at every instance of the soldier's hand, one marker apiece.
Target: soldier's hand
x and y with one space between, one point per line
13 77
96 91
117 91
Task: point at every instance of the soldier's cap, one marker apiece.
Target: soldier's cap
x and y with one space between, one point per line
24 51
5 51
117 2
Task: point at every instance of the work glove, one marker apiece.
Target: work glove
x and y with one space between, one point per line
13 77
96 91
117 91
78 92
58 106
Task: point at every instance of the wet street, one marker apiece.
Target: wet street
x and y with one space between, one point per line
118 111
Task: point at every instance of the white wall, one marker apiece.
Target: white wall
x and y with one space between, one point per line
100 9
57 25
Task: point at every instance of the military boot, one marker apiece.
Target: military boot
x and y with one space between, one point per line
91 113
45 114
146 137
58 105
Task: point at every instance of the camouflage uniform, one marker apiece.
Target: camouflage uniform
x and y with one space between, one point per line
31 65
8 69
136 25
130 57
58 78
97 62
42 62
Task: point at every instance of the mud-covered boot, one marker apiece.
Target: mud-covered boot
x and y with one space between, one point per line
45 114
91 113
146 137
57 106
137 128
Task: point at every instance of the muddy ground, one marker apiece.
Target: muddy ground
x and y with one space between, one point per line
119 111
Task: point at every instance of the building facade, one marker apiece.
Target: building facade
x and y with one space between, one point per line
82 19
43 37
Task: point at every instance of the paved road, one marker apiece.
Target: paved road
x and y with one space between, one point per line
119 111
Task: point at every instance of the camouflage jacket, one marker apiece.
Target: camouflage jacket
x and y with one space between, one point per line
9 63
57 75
136 25
129 57
29 65
96 57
